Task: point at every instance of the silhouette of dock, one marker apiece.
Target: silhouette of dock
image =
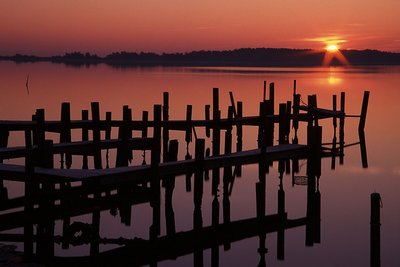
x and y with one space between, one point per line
59 193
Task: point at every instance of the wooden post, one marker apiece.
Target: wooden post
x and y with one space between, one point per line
39 132
296 111
96 134
261 125
4 134
155 153
341 127
272 96
45 229
145 119
216 119
364 109
207 118
165 118
342 108
128 119
85 137
239 134
108 127
29 192
228 133
233 104
227 175
206 172
198 184
215 140
172 155
65 134
314 142
265 91
108 134
124 154
188 133
282 124
44 156
269 123
334 105
239 127
363 149
155 178
375 235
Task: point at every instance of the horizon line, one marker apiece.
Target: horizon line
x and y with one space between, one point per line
191 51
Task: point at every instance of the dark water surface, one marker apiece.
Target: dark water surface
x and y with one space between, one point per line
345 191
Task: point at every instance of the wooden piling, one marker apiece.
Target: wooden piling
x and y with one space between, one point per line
207 118
269 123
29 192
124 155
165 118
363 149
296 111
272 96
39 133
282 124
155 178
233 104
334 108
239 135
172 155
108 134
188 139
364 109
341 127
65 134
265 91
96 135
216 139
85 137
342 108
188 132
145 121
216 119
198 184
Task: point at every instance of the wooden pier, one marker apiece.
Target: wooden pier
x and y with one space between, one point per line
60 192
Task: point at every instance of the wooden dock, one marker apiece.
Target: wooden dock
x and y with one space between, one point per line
60 192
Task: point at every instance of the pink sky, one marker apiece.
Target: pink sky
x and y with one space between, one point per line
47 27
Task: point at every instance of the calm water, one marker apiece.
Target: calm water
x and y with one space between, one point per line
345 191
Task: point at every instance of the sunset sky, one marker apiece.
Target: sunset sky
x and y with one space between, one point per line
48 27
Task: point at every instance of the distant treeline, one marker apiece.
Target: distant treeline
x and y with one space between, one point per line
258 57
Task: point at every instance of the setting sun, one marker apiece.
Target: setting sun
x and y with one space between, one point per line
331 48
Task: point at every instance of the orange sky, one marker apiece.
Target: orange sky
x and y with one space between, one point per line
47 27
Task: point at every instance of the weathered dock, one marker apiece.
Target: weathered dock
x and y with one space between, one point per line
54 193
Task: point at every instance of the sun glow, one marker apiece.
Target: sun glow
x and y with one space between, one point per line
332 48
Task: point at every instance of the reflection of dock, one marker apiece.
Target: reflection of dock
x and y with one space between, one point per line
58 194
